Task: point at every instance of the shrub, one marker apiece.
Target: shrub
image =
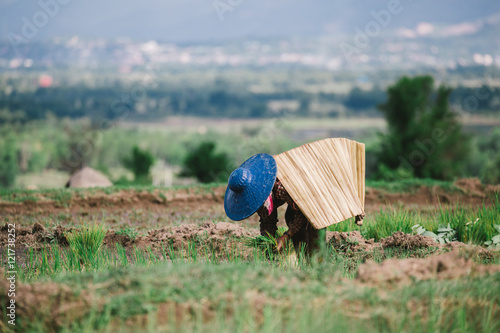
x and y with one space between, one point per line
206 165
139 162
424 135
8 162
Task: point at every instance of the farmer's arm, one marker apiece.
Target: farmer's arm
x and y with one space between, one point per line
299 220
267 222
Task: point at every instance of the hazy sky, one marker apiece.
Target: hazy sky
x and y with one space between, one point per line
201 20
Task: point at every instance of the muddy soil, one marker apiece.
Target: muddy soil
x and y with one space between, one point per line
217 235
451 265
184 199
217 238
353 242
470 192
405 241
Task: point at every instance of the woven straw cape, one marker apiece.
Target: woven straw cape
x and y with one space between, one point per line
326 179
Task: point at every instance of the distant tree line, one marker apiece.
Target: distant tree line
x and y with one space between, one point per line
424 137
111 102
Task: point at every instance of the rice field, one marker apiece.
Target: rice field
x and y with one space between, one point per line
178 265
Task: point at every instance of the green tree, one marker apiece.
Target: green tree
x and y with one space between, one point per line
423 136
485 161
206 165
8 162
139 162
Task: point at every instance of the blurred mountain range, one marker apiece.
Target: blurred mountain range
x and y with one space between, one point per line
215 20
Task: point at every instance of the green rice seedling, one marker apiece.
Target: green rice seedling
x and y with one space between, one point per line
192 251
472 225
122 255
153 258
266 244
266 248
170 253
468 225
86 243
386 222
163 252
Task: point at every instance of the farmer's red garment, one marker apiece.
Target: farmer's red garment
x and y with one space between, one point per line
268 221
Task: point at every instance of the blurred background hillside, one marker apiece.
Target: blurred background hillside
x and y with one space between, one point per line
115 85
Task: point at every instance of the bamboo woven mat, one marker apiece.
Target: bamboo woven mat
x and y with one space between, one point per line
326 179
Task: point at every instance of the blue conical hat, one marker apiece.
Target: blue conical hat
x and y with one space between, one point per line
249 186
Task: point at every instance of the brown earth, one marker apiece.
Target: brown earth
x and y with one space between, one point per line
394 271
123 199
469 192
217 236
63 305
405 241
351 242
215 233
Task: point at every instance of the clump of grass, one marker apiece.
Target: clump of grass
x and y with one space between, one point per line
129 232
266 244
474 225
87 242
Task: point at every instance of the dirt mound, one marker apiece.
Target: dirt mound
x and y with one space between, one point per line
165 200
177 237
350 242
492 190
215 233
28 236
471 186
467 191
353 242
88 177
112 238
406 241
443 266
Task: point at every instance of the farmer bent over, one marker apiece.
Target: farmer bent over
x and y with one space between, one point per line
254 187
